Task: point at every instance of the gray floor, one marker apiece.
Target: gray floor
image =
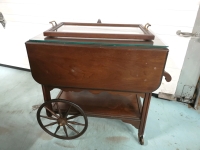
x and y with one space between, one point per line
170 125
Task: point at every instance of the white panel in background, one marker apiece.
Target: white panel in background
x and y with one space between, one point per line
27 18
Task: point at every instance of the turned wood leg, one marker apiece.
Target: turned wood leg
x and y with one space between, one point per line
144 114
47 97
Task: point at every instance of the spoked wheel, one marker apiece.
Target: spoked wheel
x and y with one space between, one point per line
68 121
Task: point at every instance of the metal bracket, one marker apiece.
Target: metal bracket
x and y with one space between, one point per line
187 34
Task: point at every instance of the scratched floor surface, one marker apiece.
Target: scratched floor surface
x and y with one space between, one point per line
170 125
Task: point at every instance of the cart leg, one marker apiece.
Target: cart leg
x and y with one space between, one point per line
144 114
47 97
141 139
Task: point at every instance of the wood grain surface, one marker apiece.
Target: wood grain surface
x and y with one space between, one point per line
97 67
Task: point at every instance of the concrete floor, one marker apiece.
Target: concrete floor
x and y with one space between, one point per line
170 125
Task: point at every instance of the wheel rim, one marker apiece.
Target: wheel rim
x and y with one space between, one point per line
67 123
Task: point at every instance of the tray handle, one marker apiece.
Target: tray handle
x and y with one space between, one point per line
53 23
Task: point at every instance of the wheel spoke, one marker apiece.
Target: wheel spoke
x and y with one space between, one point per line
72 128
72 117
76 123
59 110
65 130
50 124
60 122
52 112
58 127
51 118
67 112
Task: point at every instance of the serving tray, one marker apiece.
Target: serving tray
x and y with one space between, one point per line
100 31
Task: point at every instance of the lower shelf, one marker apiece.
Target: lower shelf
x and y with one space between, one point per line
104 104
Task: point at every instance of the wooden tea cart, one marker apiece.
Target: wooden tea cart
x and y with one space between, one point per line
102 70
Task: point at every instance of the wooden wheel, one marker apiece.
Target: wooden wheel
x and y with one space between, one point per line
68 121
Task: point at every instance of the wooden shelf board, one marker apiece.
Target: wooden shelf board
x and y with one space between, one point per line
104 104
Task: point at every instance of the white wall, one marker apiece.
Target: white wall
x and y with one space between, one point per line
27 18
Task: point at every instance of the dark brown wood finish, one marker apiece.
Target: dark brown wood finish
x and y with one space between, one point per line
52 32
167 76
139 102
104 104
47 96
104 41
104 68
144 114
135 123
105 81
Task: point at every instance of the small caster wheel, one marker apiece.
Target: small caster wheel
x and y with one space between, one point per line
141 140
67 120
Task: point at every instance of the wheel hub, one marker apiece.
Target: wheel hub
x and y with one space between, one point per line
62 121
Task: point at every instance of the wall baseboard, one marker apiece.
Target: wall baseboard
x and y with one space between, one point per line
14 67
166 96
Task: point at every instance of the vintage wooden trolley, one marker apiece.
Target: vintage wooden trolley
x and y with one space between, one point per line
102 70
